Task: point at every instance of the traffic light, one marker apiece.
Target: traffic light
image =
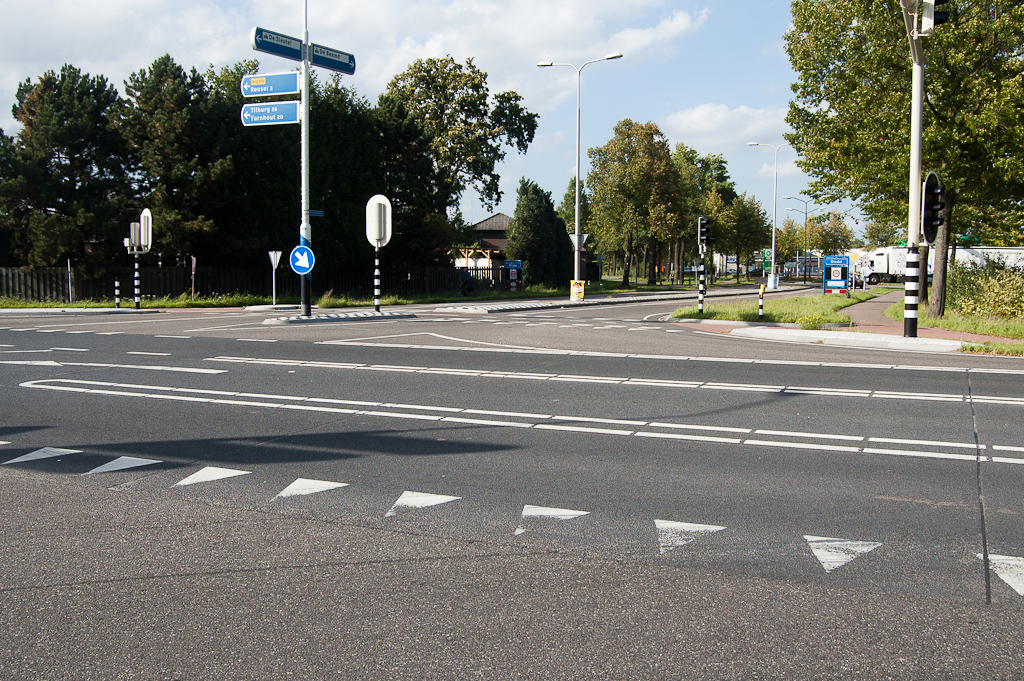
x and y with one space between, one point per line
702 231
930 18
932 202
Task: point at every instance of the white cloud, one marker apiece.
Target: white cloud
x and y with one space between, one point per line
718 129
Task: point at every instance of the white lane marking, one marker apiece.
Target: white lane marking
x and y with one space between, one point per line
834 553
931 443
418 500
49 330
257 340
723 429
684 436
4 442
210 396
150 354
821 436
1007 448
925 455
159 336
79 332
145 367
517 414
744 387
546 512
122 463
1010 569
592 419
110 333
209 474
932 397
672 534
802 445
303 486
72 349
44 453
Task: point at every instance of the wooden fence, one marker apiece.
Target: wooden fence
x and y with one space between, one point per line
51 284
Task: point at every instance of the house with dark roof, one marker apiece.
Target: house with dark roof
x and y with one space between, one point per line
491 240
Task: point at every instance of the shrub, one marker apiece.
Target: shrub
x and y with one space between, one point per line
990 290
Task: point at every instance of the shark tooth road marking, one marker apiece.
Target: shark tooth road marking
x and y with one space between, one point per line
44 453
673 534
209 474
1010 569
834 553
547 512
122 463
418 500
303 486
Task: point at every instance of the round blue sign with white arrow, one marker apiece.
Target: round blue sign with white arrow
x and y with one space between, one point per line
301 260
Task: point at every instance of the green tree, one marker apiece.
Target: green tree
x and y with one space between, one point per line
750 229
636 192
537 236
878 234
790 240
830 235
62 180
567 209
467 128
851 113
173 128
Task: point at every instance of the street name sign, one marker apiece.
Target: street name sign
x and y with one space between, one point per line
302 260
278 44
271 113
330 58
262 84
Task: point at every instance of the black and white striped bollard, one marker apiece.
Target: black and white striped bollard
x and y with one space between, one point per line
760 304
912 294
137 287
700 289
117 293
376 279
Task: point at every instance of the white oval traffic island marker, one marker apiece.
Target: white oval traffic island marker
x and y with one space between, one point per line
122 463
672 534
1010 569
209 474
547 512
306 486
418 500
44 453
834 553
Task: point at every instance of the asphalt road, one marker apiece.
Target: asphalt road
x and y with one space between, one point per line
585 493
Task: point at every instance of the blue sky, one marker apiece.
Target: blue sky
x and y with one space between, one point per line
711 74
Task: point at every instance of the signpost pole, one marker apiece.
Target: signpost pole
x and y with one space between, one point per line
376 279
304 229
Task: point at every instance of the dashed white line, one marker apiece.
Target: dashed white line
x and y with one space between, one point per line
150 354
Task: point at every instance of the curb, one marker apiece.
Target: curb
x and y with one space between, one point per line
38 311
850 339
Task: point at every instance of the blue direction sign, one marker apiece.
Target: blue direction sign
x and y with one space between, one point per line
271 113
330 58
302 260
276 43
261 84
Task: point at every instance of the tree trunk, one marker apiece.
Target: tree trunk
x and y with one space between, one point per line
923 294
737 266
937 301
652 261
627 258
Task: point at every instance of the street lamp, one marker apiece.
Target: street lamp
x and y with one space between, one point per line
773 282
805 202
577 246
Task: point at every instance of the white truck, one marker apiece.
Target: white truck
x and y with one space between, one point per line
889 264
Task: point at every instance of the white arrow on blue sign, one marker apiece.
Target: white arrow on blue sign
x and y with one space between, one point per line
272 113
261 84
330 58
276 43
302 260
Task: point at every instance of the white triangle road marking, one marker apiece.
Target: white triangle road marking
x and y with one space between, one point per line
209 474
834 553
1010 569
4 442
672 534
44 453
547 512
307 486
121 463
418 500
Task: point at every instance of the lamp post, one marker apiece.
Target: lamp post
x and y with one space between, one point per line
577 246
773 282
805 202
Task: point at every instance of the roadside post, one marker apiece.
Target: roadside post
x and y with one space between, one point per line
282 113
117 293
275 257
378 233
702 245
139 241
760 304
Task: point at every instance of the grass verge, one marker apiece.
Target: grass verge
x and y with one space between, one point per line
1004 327
808 311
